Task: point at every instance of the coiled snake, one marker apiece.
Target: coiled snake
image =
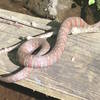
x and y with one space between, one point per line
27 58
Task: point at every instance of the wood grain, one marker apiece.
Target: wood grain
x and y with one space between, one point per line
74 77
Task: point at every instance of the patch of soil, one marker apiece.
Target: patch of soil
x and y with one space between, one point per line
15 6
16 92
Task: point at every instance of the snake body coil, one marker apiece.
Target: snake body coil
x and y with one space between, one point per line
27 58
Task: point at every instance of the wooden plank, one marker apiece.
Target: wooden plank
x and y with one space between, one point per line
74 77
16 32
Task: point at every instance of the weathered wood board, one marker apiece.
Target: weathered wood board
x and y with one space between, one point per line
74 77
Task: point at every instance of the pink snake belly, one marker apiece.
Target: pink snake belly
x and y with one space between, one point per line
27 58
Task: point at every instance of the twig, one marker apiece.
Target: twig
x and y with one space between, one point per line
10 48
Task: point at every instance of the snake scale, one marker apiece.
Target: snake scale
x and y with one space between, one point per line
43 58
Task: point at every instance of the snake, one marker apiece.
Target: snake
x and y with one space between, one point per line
29 59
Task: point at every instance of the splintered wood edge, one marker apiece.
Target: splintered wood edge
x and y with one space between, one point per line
49 91
31 84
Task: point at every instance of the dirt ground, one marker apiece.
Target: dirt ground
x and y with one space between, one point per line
14 6
8 94
16 92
